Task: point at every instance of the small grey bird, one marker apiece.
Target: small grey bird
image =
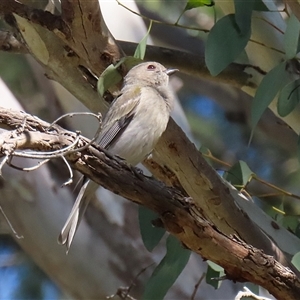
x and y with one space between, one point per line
131 128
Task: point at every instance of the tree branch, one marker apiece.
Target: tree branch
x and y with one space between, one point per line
90 40
35 16
194 64
220 203
181 216
188 63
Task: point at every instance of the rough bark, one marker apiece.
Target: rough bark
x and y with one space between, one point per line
65 44
180 215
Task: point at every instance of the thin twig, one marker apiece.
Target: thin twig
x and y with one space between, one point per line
97 116
271 24
28 169
136 277
5 159
10 225
255 177
264 45
197 286
123 292
160 22
195 28
272 186
70 172
48 155
90 142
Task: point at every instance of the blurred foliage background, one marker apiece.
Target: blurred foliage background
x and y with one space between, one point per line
218 116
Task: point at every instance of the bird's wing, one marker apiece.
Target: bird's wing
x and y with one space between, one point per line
112 127
114 124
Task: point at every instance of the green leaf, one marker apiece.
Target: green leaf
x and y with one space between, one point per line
128 62
224 44
141 47
215 267
291 37
297 230
296 260
252 287
111 76
150 235
243 13
198 3
260 6
239 174
168 270
194 4
108 78
298 148
289 222
271 84
214 271
288 98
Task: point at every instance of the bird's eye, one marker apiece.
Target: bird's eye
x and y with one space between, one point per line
151 67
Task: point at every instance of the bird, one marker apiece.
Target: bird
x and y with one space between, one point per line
135 121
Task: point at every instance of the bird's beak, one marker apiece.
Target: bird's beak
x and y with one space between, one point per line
171 71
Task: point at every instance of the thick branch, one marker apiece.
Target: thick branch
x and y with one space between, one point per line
87 35
220 203
58 52
187 63
194 64
215 199
35 16
180 216
90 38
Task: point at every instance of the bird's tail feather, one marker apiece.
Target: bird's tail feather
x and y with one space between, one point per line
84 196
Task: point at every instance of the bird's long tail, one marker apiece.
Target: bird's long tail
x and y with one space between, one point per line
84 196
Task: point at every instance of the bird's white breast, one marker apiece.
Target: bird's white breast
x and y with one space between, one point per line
141 135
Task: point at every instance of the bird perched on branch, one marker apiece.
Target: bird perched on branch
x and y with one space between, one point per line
131 128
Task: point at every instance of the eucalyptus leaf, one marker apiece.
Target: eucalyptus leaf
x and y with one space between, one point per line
194 4
298 148
288 221
291 37
288 98
260 6
239 174
141 47
150 235
224 44
111 76
108 78
211 277
215 267
271 84
168 270
252 287
296 260
243 14
297 230
128 62
198 3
